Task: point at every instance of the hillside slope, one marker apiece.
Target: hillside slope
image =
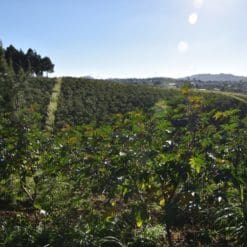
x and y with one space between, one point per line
217 78
126 165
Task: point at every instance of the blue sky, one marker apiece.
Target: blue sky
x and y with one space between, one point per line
131 38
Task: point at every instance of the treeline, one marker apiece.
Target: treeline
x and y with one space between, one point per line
17 62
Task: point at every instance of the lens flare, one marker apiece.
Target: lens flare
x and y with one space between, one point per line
193 18
183 46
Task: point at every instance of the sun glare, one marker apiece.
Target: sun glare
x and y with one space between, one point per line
183 46
193 18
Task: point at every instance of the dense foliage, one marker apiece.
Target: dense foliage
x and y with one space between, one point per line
151 168
84 101
29 94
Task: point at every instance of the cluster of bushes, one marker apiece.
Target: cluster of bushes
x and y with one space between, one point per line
30 93
83 101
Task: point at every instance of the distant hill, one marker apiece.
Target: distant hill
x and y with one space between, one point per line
217 78
222 82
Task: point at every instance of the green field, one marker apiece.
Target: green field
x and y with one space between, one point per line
88 162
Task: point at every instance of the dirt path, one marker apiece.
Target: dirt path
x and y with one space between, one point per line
237 96
52 107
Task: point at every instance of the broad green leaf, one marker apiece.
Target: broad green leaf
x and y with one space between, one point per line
139 221
37 206
197 163
162 202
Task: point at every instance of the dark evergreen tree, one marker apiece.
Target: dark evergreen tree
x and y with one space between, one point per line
29 63
3 63
12 56
47 65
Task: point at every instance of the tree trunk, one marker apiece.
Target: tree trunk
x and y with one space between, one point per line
169 236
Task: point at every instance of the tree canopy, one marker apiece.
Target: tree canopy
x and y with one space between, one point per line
13 61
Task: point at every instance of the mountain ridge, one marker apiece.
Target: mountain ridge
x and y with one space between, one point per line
207 77
204 77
